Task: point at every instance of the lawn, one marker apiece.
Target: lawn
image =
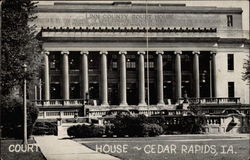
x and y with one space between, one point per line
172 147
8 151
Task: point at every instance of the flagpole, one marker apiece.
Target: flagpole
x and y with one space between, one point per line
146 18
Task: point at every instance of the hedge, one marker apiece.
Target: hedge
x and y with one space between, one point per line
84 131
120 126
45 128
182 125
133 126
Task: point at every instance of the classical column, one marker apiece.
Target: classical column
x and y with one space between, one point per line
46 76
141 79
35 93
160 79
104 79
196 73
40 89
178 73
85 75
123 85
214 88
65 72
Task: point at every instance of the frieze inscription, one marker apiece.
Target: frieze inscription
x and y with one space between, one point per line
124 20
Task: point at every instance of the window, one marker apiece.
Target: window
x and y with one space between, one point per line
186 63
229 20
74 90
55 91
93 60
74 61
151 62
167 62
230 89
131 62
114 65
114 62
230 62
54 59
131 65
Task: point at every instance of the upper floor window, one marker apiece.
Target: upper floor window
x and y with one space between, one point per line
150 63
186 64
229 20
167 62
230 62
74 61
131 62
93 60
54 59
112 62
114 65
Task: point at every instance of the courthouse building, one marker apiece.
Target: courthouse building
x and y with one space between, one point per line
119 54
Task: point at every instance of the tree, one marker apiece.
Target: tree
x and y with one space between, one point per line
20 45
12 116
246 73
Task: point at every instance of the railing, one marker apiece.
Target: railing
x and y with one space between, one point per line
208 100
60 102
78 102
57 114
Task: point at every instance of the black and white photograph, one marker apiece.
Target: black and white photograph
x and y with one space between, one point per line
125 80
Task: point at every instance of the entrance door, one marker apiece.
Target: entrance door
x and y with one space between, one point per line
55 91
152 93
113 94
168 90
74 91
132 94
94 91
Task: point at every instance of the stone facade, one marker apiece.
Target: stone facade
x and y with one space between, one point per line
187 49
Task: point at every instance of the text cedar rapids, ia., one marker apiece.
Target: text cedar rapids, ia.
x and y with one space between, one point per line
167 149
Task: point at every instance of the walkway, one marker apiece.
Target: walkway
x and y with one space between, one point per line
54 148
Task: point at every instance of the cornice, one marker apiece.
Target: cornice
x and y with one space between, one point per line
129 29
92 8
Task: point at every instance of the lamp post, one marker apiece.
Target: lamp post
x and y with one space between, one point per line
24 108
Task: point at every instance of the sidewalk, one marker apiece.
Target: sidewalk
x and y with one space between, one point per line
54 148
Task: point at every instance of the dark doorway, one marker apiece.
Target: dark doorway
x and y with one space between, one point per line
186 85
152 93
168 90
230 89
132 94
204 59
94 91
113 94
74 91
55 91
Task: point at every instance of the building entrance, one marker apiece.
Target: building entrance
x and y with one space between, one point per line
113 94
132 94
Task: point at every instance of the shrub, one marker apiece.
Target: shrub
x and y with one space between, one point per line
151 130
181 125
12 117
127 125
133 126
85 131
73 130
109 129
45 128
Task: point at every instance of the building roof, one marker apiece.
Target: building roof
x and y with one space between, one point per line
129 7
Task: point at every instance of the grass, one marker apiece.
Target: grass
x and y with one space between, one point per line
240 147
7 155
